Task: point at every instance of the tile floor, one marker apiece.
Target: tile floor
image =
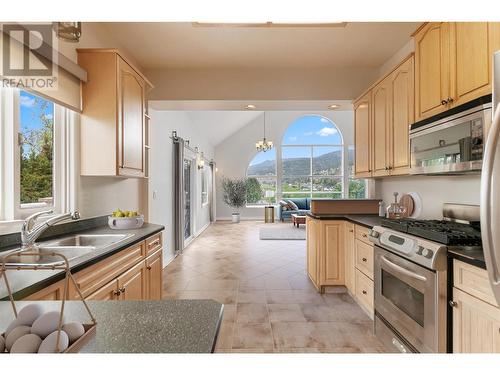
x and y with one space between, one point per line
270 304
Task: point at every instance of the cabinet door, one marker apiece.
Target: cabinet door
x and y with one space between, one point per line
53 292
312 250
154 271
470 48
381 99
476 325
131 119
362 136
108 292
432 69
132 284
332 253
349 257
364 292
403 114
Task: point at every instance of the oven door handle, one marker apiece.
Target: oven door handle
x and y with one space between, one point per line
403 270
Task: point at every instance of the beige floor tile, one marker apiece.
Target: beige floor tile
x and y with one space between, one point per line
257 283
299 335
251 313
252 336
251 296
285 312
229 314
221 296
225 337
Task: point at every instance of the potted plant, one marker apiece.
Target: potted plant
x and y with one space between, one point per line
235 195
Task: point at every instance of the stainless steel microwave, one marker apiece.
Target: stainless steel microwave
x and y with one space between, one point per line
453 144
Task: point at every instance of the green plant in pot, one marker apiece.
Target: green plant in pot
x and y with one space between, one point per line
235 195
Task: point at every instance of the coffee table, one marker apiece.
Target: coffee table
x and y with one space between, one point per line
298 219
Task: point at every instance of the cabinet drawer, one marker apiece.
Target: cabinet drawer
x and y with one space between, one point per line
92 278
153 244
473 280
362 233
364 291
364 258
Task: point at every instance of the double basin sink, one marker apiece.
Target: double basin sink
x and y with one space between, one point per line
71 247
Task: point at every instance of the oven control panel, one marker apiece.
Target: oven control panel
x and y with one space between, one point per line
426 253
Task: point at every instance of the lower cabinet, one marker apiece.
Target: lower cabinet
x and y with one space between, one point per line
131 274
325 252
476 316
364 292
350 275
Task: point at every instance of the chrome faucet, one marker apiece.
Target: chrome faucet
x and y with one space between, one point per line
30 232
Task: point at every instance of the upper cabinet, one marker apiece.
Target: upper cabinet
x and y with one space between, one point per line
453 64
114 119
362 135
382 117
432 67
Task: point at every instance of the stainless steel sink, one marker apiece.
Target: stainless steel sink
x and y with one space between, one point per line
71 247
85 240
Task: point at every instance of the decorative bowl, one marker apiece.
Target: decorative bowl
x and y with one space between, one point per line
126 222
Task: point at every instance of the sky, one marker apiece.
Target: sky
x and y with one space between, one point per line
31 111
307 130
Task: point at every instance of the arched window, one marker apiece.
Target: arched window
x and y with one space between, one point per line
262 177
316 161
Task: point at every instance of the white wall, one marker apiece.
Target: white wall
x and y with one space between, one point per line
434 190
161 171
235 153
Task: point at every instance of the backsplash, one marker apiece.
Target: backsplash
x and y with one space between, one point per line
434 190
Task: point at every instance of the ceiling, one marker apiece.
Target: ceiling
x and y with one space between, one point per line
215 126
183 45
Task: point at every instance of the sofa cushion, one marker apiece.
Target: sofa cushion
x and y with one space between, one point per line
301 203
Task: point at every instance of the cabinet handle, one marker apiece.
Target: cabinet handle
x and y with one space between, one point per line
453 304
364 235
351 230
449 100
155 243
444 102
364 292
364 259
148 268
122 290
117 292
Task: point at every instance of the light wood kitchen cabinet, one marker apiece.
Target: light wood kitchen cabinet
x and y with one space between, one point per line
364 292
108 292
432 69
364 258
349 258
362 136
381 107
132 284
331 262
154 276
382 141
476 314
402 116
476 325
325 252
53 292
313 238
114 119
453 64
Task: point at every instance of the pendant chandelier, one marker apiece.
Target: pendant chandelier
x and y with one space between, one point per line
264 145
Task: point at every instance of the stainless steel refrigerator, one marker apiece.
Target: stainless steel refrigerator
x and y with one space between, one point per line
490 189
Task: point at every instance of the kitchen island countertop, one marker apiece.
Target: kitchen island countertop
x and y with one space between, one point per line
367 220
166 326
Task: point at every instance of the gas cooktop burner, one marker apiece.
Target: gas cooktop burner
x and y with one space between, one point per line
442 231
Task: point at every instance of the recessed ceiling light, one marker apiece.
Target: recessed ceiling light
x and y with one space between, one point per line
250 106
333 106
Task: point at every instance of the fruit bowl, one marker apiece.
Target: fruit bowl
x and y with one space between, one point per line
132 222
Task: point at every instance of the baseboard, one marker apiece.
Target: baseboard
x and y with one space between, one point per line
246 218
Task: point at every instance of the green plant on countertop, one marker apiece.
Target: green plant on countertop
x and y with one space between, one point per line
234 192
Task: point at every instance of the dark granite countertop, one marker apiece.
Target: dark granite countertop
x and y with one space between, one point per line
24 283
365 220
167 326
474 257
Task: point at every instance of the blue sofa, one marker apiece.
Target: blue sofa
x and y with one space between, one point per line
304 205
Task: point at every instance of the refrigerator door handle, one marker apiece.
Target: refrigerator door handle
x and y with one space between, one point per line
490 204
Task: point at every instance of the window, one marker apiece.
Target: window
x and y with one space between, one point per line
36 142
261 174
204 186
357 187
36 151
313 159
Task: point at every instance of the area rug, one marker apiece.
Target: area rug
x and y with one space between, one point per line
282 232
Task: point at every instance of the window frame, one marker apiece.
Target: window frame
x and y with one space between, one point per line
64 160
204 187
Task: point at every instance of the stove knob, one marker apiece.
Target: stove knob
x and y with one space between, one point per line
427 253
374 234
420 249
